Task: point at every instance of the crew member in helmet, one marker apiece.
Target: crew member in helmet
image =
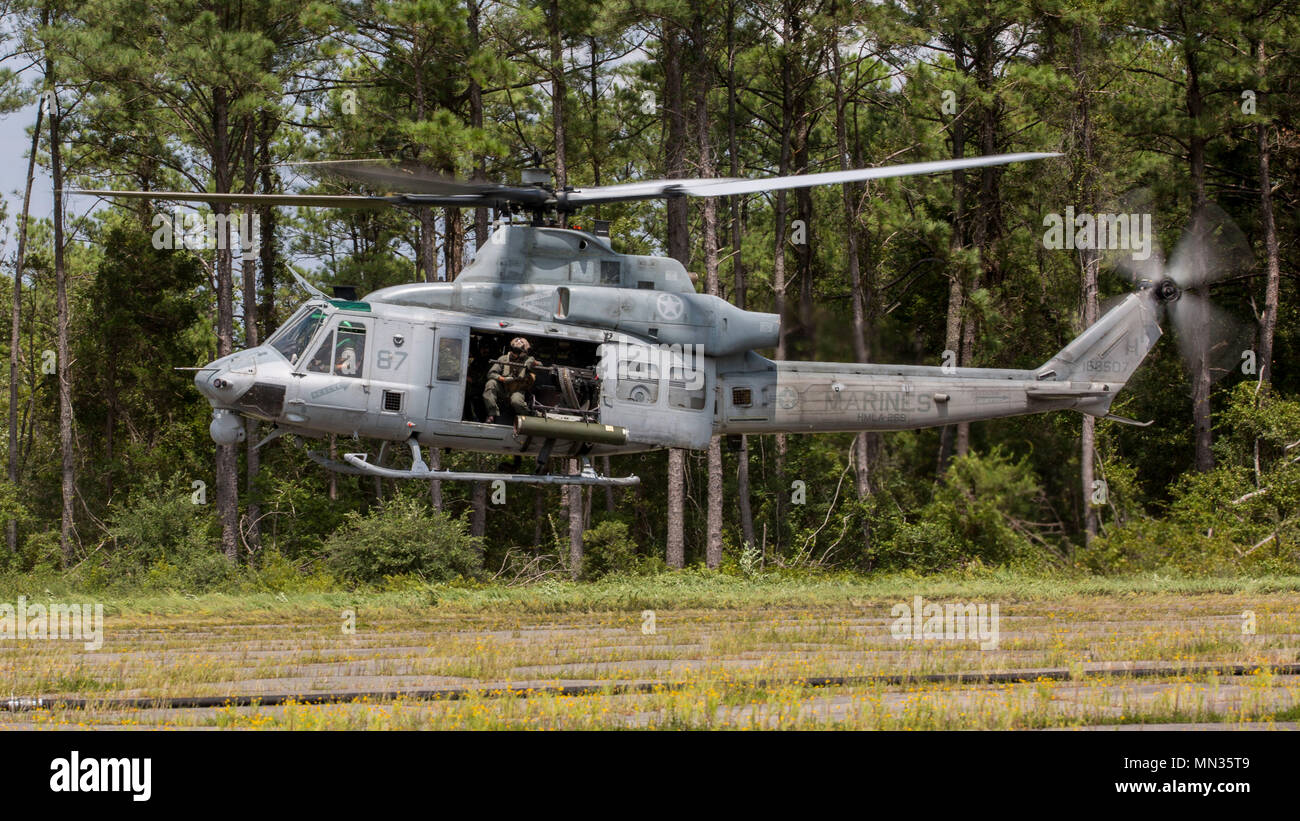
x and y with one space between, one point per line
510 377
347 349
347 362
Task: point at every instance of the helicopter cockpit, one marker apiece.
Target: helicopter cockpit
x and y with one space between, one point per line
292 338
341 351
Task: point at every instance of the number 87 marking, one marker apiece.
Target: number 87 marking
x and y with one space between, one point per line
384 359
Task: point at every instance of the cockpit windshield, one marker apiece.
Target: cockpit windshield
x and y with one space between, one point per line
292 339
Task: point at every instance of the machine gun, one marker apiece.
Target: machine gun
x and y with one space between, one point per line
580 373
570 389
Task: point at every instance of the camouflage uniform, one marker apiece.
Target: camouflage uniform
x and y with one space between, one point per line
518 380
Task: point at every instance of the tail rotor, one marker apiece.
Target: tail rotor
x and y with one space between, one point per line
1211 251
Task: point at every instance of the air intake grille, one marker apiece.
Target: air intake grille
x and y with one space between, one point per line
392 401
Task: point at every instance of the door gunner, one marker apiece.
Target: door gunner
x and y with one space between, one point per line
510 377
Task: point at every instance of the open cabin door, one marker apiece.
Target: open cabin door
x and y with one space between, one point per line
447 379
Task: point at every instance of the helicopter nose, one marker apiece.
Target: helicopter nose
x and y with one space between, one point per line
223 381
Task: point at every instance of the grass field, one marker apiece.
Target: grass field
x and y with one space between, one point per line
725 652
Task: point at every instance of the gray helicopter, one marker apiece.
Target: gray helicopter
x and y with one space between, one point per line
623 355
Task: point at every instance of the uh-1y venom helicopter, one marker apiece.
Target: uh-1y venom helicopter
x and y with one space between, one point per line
635 359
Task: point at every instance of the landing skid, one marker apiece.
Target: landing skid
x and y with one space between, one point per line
355 464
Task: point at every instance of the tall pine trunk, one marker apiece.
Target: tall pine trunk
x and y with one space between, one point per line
227 459
576 521
1196 144
478 494
781 216
267 224
428 261
738 269
956 284
703 84
248 269
1089 265
67 446
859 296
481 221
1268 321
15 321
559 90
678 249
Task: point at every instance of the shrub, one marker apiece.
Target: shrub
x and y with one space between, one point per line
163 540
276 573
298 513
607 548
11 509
403 537
987 510
41 551
1239 517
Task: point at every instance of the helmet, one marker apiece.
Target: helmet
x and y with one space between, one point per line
520 345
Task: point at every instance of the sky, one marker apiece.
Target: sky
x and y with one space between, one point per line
15 144
14 148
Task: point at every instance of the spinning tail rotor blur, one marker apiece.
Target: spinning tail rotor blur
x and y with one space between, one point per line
1211 251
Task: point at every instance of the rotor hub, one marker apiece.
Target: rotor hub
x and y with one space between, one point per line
1167 290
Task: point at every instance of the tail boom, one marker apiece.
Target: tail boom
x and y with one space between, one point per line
761 396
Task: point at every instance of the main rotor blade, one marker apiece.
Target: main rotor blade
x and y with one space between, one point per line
320 200
421 186
706 187
404 177
418 185
646 190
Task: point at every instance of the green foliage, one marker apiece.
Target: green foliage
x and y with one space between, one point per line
607 548
1235 518
403 537
11 508
273 572
41 552
298 512
160 539
988 509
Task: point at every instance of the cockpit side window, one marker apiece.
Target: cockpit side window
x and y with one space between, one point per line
322 360
350 349
292 340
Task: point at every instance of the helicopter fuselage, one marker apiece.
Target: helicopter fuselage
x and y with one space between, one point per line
629 351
